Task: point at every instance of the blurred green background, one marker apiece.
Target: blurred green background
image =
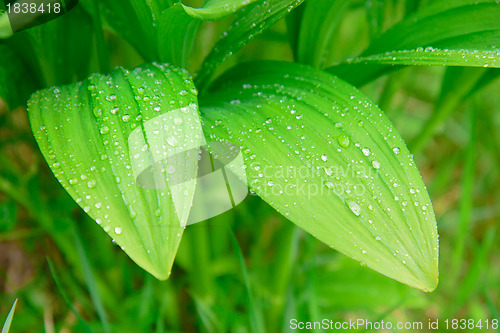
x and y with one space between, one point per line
70 277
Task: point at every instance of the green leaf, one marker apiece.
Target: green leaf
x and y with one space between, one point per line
216 9
8 321
135 21
250 22
320 21
107 138
179 24
435 57
15 83
65 45
176 36
464 33
329 160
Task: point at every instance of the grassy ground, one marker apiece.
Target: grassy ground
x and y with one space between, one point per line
250 269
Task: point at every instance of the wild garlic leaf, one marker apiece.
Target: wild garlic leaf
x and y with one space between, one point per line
250 22
216 9
450 42
320 21
109 142
15 83
328 159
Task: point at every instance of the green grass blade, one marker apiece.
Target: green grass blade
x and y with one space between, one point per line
91 284
250 22
10 316
358 190
65 297
98 137
256 322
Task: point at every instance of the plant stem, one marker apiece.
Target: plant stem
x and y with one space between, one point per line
201 274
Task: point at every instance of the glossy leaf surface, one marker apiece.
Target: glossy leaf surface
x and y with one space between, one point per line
103 136
324 156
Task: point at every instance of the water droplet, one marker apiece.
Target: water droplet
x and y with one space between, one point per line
92 184
324 158
395 150
132 212
376 164
104 130
366 151
172 141
344 141
354 207
73 181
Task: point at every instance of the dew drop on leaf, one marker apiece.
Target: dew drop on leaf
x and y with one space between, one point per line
344 141
354 207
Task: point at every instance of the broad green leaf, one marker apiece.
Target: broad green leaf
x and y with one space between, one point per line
329 160
15 83
135 21
250 22
8 321
320 21
107 140
216 9
464 33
